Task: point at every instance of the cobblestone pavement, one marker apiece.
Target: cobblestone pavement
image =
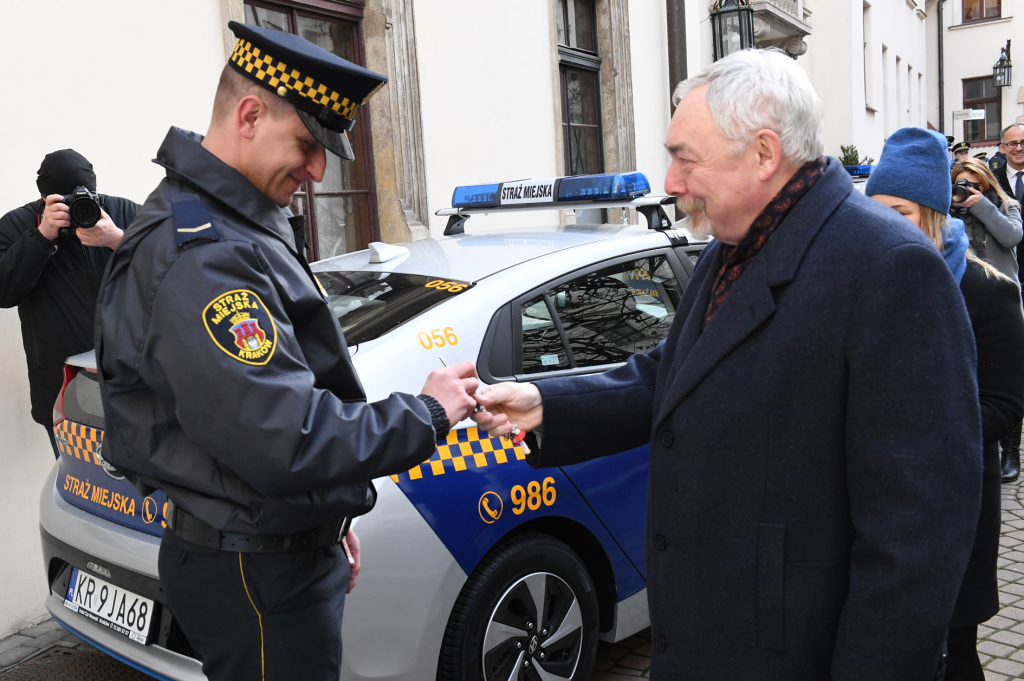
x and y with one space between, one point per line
47 652
1001 639
26 654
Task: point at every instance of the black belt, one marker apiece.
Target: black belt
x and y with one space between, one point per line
196 531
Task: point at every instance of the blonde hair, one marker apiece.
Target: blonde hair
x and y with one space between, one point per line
933 223
988 180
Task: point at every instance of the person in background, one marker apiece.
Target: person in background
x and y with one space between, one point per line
1011 175
52 273
910 178
993 224
991 218
961 151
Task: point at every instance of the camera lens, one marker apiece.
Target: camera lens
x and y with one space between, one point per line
960 194
85 212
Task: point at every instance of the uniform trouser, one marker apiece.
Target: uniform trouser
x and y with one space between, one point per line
258 616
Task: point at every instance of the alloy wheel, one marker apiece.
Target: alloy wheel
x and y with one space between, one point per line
534 633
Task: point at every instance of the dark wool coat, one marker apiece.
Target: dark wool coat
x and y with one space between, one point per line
993 304
54 284
816 453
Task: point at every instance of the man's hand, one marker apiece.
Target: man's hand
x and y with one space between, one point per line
104 233
453 387
55 216
350 543
509 404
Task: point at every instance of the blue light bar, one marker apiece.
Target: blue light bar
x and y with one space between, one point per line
475 195
553 190
603 187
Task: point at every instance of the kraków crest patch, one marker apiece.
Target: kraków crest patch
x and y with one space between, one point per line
240 324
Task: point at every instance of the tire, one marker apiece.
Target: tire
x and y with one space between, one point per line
493 633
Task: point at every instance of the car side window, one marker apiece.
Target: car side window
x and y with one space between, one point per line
543 349
605 316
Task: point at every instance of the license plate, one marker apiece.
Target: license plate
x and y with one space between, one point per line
123 611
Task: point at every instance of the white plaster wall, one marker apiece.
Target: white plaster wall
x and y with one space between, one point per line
648 41
107 78
970 52
836 48
487 97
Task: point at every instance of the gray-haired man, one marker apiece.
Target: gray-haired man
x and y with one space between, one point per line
813 415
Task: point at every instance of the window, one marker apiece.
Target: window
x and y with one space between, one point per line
869 74
601 317
579 74
886 94
371 304
344 217
981 93
978 10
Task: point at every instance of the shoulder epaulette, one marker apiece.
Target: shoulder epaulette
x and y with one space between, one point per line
192 221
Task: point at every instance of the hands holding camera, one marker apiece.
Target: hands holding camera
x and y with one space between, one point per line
57 216
972 198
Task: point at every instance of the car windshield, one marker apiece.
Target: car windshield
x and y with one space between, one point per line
370 304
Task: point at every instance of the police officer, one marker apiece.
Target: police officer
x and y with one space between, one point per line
227 382
961 150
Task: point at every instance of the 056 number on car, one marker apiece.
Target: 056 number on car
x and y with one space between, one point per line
438 338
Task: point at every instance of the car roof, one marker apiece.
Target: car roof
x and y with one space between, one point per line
474 256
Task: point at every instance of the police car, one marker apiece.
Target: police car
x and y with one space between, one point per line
475 565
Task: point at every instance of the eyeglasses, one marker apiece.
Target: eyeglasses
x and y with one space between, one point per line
1014 145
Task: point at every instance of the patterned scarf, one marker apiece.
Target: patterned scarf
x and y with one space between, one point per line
736 258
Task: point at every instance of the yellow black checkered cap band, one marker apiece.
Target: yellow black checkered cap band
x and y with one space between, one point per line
330 107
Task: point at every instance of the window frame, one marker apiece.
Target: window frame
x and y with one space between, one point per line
351 12
507 323
965 20
969 104
583 60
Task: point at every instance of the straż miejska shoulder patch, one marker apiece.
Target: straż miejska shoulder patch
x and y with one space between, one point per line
240 324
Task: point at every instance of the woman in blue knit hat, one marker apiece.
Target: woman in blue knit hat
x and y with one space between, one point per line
912 177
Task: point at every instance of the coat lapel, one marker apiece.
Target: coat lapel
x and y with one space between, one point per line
751 302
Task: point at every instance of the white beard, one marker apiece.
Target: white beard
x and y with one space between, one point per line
697 221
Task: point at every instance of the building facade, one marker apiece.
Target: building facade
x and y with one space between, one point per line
972 34
868 61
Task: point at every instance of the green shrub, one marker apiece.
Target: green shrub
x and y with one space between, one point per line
850 157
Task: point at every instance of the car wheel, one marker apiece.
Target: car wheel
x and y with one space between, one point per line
527 613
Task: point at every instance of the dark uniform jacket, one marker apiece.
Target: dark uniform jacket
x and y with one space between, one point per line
816 453
225 376
54 284
993 303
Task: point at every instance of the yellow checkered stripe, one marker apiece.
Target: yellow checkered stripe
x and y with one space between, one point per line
463 448
77 440
275 73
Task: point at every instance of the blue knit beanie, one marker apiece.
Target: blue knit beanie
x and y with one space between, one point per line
914 166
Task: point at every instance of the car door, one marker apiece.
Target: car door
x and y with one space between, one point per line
590 321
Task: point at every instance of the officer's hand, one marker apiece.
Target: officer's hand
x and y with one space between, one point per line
507 404
453 387
55 216
350 542
103 233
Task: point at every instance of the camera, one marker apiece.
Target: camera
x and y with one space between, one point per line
84 209
961 192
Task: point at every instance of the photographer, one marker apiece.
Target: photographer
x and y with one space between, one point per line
992 218
51 269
